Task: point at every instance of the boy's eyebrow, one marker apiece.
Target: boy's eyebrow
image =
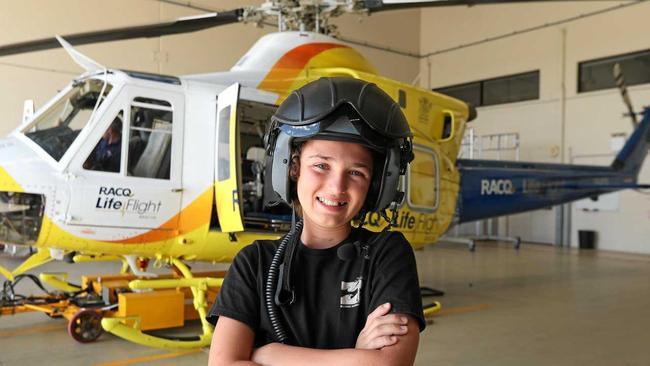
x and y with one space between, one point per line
358 164
324 157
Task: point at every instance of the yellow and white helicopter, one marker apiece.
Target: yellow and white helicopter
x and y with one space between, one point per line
183 178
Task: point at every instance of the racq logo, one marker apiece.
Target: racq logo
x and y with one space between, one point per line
491 187
121 199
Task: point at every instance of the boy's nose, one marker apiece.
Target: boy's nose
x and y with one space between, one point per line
337 182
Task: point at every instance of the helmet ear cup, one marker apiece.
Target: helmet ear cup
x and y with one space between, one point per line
389 180
280 167
271 197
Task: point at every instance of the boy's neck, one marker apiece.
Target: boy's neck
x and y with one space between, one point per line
316 237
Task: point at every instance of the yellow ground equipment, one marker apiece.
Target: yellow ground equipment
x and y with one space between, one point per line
122 303
433 307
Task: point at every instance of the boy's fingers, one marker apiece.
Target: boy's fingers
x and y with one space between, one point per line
388 330
385 341
391 319
380 311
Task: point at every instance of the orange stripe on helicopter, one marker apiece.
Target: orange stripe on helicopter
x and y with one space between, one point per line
289 66
190 218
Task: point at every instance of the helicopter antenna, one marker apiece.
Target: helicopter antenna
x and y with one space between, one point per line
622 87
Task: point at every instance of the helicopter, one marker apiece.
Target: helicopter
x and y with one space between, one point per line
186 181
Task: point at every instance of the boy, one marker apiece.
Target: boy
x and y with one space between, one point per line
327 293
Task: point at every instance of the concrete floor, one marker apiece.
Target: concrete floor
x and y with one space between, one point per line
535 306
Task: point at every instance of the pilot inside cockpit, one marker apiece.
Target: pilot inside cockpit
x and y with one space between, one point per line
106 156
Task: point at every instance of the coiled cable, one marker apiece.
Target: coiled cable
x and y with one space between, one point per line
273 285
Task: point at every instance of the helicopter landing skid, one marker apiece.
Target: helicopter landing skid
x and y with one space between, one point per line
471 241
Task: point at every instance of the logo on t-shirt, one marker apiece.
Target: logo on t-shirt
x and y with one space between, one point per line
350 293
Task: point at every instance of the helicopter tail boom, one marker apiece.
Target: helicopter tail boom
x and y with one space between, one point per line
493 188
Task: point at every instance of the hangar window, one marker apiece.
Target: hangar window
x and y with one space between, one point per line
510 89
423 180
598 74
505 89
469 93
150 138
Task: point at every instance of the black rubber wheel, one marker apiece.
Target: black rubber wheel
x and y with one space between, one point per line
85 326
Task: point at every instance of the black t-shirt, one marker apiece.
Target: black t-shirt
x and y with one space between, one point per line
333 296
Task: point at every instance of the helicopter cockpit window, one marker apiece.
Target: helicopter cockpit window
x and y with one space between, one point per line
423 180
150 138
58 126
107 154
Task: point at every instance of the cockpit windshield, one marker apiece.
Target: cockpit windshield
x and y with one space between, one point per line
57 127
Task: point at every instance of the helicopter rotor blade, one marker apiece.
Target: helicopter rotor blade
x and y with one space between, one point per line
374 6
178 26
622 87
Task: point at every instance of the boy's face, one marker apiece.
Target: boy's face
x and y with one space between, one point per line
333 180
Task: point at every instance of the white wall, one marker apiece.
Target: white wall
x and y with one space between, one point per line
589 119
39 75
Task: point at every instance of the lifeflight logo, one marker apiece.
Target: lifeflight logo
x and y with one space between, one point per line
121 199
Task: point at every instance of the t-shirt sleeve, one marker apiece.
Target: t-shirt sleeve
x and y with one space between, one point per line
238 297
394 279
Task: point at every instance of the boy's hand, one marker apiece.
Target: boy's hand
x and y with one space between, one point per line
264 354
381 329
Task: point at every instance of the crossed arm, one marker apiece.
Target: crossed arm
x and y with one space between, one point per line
383 341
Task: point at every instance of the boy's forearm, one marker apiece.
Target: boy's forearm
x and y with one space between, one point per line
234 363
281 354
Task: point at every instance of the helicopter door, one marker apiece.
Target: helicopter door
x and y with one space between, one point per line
129 172
227 187
423 195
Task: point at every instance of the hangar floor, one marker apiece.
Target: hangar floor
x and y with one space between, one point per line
535 306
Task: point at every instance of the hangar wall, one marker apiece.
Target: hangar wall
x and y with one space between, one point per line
589 119
39 75
586 120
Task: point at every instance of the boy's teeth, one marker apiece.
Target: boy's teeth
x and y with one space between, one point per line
330 203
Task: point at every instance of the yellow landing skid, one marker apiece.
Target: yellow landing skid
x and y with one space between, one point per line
198 286
35 260
6 273
118 328
433 309
80 258
58 281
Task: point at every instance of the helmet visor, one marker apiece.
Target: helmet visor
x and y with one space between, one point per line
340 128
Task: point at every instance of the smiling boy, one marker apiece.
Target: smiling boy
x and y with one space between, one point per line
327 293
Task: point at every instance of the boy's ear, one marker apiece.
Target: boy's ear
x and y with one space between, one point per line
294 168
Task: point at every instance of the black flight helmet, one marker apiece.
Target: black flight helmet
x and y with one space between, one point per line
342 109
